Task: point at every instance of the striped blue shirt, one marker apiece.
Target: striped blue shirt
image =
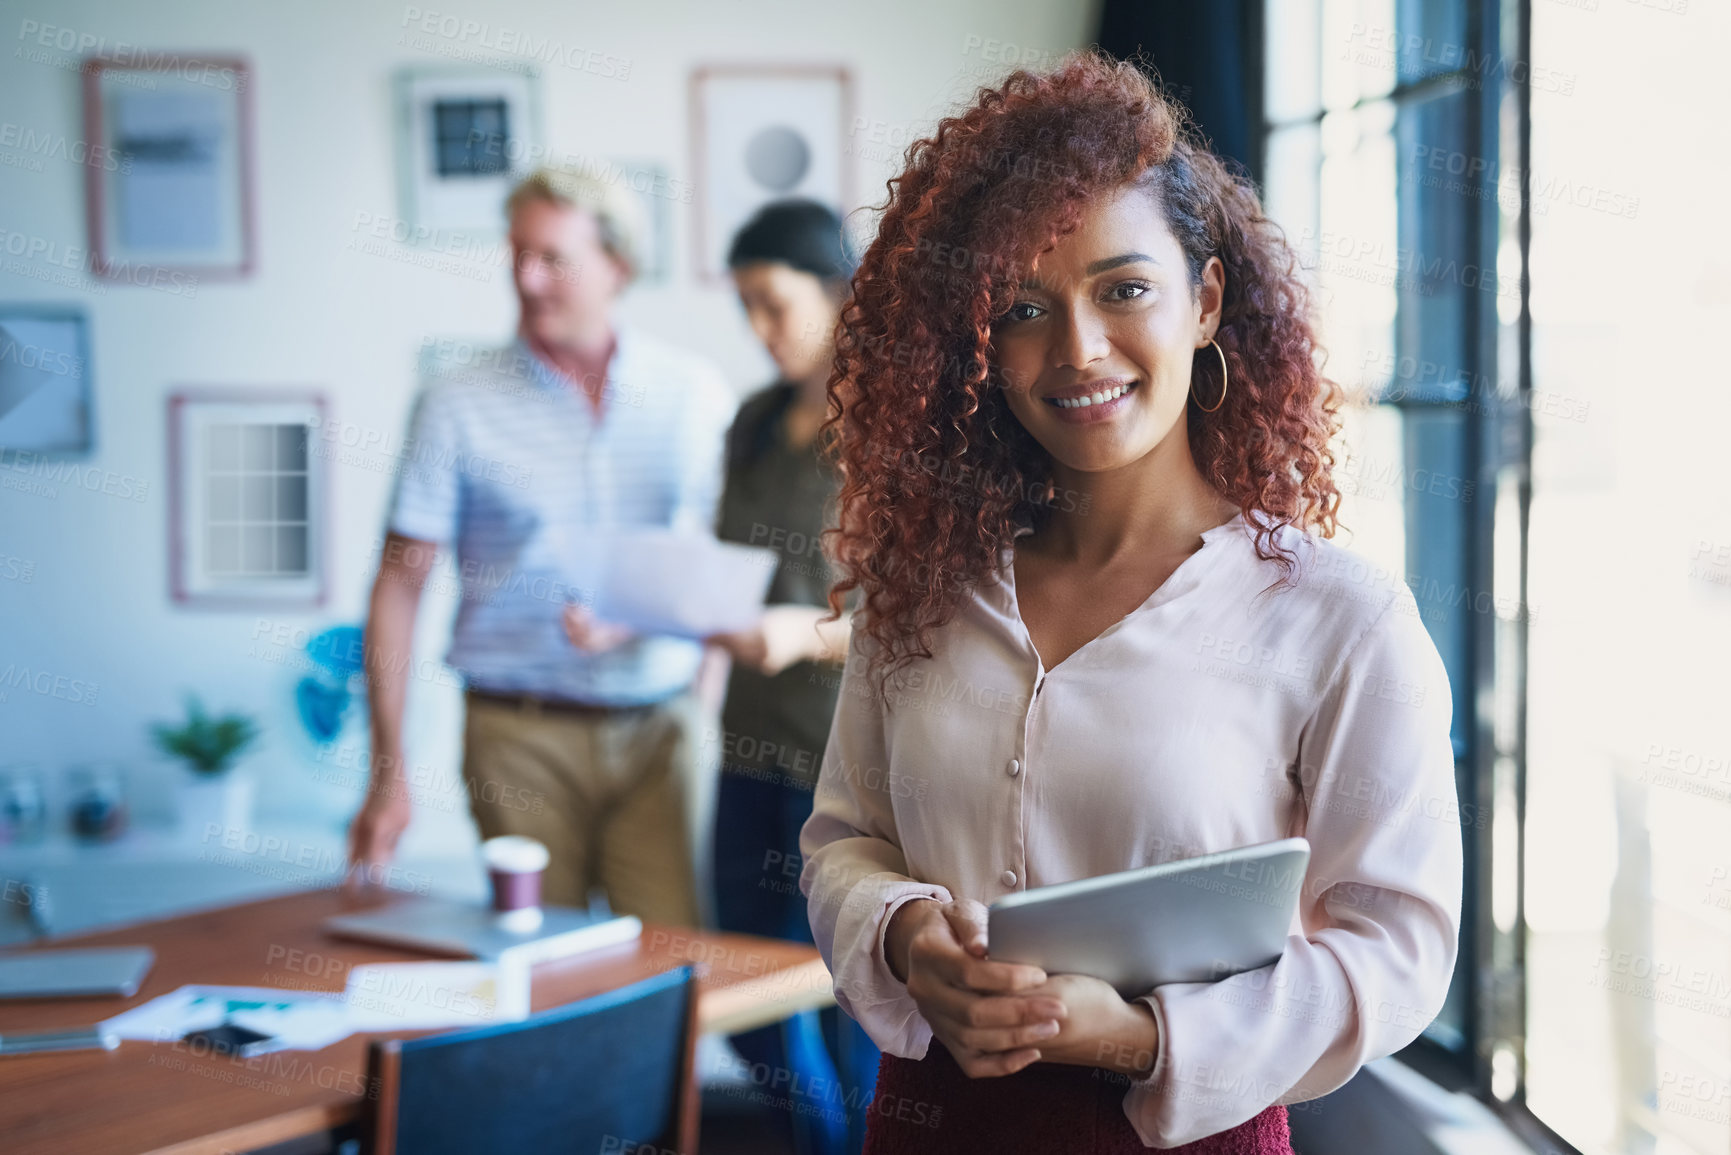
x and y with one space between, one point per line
508 461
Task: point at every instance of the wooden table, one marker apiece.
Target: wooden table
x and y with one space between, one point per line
162 1099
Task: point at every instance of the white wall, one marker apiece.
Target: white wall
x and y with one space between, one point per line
97 607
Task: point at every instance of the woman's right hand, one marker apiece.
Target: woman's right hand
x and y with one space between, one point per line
970 1002
785 634
748 647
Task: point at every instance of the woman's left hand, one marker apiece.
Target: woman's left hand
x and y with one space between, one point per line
1102 1029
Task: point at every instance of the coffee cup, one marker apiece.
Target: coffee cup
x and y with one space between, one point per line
514 864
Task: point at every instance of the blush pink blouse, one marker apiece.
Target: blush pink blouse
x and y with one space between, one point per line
1214 715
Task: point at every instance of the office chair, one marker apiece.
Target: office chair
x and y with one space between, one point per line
609 1073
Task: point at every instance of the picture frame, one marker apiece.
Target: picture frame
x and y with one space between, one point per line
248 498
655 191
169 182
46 401
465 137
762 133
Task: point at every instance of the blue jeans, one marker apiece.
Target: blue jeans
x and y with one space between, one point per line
821 1060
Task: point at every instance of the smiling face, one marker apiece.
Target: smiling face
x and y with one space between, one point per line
1097 348
566 279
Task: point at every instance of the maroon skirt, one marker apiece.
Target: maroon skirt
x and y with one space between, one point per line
929 1105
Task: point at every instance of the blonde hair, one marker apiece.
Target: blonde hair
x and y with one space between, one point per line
615 208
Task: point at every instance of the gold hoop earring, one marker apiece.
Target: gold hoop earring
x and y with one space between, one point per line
1224 376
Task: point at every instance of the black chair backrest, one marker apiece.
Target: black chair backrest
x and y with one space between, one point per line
610 1073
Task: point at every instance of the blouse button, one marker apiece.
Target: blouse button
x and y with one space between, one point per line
1015 767
1008 878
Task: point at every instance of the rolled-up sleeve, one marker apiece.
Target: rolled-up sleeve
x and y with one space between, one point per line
855 875
1380 907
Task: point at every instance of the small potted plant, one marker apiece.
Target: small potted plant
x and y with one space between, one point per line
212 795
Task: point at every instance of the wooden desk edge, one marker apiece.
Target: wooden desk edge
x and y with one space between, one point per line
292 1124
739 1010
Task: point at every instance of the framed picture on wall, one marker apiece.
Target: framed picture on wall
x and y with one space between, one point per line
656 194
168 179
45 384
761 134
247 498
465 136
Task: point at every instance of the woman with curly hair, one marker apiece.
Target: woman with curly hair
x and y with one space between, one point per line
1086 511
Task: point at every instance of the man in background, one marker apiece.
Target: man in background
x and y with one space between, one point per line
579 424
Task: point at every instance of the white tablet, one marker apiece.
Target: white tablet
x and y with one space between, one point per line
1194 920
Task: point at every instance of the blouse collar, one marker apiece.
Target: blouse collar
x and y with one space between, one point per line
1208 535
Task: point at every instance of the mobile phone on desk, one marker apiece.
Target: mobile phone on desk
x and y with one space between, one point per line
38 1042
230 1039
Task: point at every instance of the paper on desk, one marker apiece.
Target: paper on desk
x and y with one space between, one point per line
383 997
664 581
296 1020
404 996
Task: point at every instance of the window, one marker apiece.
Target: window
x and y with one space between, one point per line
1626 894
1546 466
1382 120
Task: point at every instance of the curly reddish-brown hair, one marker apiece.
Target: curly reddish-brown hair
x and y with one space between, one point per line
938 473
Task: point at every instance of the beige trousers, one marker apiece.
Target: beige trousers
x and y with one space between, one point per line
605 792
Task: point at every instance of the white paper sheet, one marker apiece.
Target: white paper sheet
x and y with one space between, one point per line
381 997
662 581
297 1020
404 996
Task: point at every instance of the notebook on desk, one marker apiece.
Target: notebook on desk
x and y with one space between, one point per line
467 930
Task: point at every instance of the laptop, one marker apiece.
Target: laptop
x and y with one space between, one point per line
1195 920
467 930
